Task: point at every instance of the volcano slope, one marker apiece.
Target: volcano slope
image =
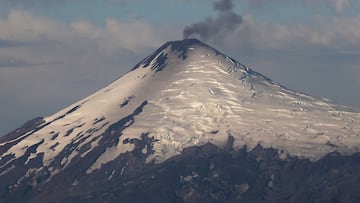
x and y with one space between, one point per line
187 124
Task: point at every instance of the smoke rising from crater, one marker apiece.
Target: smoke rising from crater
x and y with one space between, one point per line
226 21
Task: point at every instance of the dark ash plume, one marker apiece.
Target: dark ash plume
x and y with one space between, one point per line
226 21
224 5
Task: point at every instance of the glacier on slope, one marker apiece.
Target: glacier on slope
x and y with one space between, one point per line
187 94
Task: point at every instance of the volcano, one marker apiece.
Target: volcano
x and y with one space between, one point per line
187 124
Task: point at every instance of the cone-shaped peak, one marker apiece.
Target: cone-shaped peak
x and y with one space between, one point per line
184 94
183 50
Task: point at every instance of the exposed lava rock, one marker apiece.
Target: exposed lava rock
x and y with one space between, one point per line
207 174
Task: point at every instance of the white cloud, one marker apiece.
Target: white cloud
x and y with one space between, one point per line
338 34
340 5
21 25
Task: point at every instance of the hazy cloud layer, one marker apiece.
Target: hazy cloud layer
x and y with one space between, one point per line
5 43
44 2
226 21
22 29
338 5
46 65
339 34
232 31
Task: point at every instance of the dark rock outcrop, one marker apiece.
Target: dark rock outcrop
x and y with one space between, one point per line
205 174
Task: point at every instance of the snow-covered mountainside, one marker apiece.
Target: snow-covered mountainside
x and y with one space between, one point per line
183 95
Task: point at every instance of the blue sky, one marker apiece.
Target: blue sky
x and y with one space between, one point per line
55 52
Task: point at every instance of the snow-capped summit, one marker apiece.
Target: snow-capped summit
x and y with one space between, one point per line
184 94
